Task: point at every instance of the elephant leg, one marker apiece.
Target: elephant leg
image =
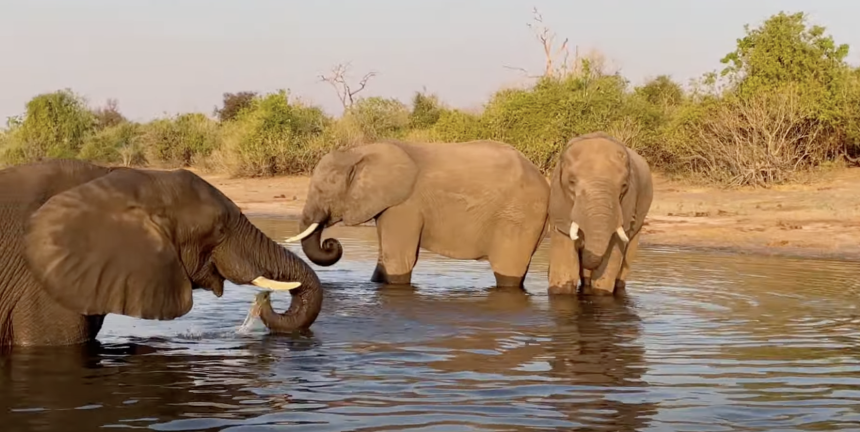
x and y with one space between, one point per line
603 278
399 231
564 269
512 249
629 256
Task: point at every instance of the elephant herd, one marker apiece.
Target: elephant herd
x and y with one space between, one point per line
80 240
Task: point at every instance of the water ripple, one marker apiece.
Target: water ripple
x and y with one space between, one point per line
703 342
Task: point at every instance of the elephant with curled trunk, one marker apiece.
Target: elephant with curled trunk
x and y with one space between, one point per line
478 200
600 193
80 241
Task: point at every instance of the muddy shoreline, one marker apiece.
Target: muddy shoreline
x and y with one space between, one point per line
819 218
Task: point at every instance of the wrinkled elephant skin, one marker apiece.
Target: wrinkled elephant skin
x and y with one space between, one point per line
81 241
478 200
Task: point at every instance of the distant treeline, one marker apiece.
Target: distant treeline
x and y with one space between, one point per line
785 102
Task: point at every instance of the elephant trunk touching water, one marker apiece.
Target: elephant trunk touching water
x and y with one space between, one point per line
277 263
85 241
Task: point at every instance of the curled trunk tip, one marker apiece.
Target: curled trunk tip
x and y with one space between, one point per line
282 269
324 254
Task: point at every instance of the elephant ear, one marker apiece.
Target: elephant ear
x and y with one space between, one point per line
98 249
560 204
638 192
382 176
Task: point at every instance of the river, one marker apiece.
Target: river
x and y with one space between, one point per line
703 341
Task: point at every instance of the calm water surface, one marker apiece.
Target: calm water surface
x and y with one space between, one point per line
703 342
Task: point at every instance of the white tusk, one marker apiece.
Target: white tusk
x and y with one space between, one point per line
574 231
304 233
622 235
275 285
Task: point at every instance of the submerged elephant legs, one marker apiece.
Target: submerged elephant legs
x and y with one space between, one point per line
564 268
400 230
512 249
399 233
629 256
603 279
566 273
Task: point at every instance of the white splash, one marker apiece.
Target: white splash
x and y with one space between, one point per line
252 317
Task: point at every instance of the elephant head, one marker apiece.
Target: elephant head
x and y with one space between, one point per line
136 242
352 185
588 192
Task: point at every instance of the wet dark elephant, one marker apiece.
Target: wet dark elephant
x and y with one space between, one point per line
80 241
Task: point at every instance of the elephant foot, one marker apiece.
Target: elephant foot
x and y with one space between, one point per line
503 281
568 288
380 276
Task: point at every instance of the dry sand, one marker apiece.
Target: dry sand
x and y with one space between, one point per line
820 218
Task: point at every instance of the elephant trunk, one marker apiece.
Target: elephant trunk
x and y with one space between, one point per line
320 253
599 219
306 302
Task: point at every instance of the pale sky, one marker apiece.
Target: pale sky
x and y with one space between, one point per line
170 56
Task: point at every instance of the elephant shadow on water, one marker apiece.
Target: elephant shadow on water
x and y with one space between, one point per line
139 384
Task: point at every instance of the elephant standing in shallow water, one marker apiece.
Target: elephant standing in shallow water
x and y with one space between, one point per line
478 200
80 241
601 191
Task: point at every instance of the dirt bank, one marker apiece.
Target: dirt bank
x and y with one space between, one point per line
819 218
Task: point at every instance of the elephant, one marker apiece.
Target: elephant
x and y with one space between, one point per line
475 200
81 240
601 189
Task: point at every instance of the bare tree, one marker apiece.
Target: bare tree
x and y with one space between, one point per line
546 37
593 63
338 80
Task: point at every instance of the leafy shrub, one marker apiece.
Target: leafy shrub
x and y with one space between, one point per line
273 136
55 125
785 101
378 117
179 141
115 144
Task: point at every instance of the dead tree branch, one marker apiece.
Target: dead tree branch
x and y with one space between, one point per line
547 39
338 80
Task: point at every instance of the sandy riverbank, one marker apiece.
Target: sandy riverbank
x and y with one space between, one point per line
819 218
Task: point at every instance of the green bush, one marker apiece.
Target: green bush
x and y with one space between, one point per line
118 144
785 101
179 141
55 125
426 111
273 136
379 118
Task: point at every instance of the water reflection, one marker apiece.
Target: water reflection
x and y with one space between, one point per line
596 345
129 385
701 342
